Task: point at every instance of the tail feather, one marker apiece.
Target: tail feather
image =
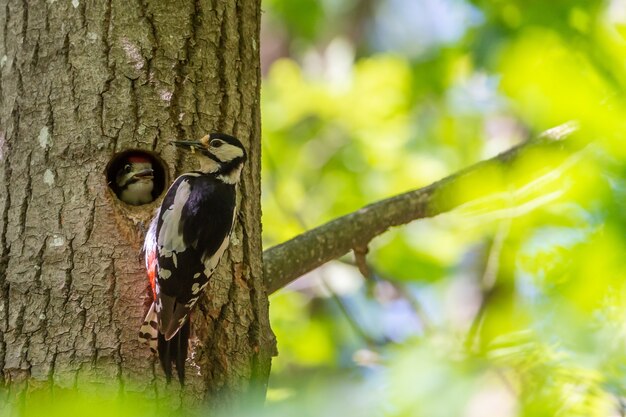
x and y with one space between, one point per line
174 351
165 351
182 348
148 333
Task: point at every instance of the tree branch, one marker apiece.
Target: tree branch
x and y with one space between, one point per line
285 262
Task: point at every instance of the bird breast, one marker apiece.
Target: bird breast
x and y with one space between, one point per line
139 192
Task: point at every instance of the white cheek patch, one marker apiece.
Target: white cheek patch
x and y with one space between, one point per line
227 152
170 240
208 165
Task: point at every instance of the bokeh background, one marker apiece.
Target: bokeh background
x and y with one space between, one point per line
512 304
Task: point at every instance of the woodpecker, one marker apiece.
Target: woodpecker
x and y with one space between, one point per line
135 181
185 241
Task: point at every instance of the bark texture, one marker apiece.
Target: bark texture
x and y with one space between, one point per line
81 81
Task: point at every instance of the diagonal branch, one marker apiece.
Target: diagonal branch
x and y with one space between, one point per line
285 262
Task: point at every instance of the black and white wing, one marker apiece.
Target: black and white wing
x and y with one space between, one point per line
192 233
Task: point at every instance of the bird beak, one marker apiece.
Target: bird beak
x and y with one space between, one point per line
146 173
192 144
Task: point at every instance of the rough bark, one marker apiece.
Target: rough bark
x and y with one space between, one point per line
81 81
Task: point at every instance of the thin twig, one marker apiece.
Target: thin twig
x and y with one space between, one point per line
489 281
400 288
360 259
354 324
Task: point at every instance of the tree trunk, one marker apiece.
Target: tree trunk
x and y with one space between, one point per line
80 82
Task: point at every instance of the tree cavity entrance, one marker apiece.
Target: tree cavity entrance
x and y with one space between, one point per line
136 177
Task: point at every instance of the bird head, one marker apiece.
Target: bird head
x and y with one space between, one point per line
220 153
135 180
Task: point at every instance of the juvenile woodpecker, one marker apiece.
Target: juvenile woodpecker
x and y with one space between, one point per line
135 181
185 241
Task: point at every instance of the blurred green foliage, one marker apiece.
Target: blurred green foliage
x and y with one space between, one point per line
513 303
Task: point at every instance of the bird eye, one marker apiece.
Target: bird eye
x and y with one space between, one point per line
216 143
127 168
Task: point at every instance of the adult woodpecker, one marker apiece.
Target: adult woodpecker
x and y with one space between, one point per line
135 180
185 241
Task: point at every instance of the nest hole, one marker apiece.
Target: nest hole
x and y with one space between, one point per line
129 178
